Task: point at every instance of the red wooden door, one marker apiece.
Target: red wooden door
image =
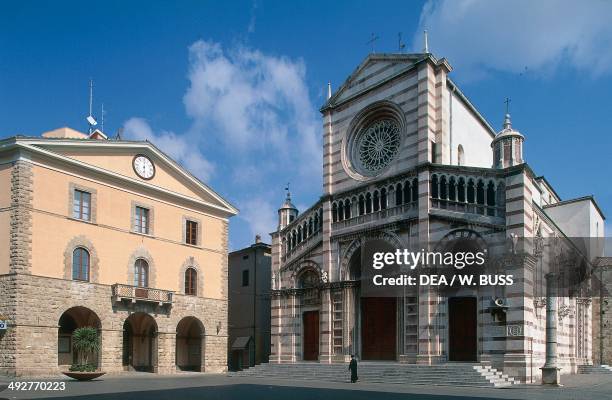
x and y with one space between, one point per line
462 329
378 328
310 321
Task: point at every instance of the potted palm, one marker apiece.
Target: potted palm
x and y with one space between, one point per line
86 345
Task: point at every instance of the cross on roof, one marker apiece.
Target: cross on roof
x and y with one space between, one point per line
372 40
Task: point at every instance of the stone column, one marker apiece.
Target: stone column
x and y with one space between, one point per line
550 371
166 343
111 354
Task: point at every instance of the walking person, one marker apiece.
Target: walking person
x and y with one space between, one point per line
353 368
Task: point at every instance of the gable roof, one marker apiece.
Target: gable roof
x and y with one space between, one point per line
48 147
399 64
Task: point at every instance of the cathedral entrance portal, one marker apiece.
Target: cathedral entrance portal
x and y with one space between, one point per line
378 328
310 321
462 330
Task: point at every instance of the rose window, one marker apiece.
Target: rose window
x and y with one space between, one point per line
377 145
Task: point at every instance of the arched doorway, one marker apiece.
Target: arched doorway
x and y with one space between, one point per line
462 304
375 334
140 343
190 345
308 283
71 319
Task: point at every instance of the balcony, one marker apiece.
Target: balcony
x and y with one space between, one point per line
387 215
470 208
135 293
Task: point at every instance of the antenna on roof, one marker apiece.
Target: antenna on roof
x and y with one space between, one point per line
90 119
102 116
400 44
425 44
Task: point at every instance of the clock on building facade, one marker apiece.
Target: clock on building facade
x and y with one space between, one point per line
143 167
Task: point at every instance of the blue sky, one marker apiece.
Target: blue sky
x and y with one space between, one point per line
232 90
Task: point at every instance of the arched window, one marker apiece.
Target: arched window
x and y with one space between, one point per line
415 190
460 155
452 189
491 194
340 210
191 282
361 205
407 192
376 201
470 192
347 209
310 227
461 190
443 188
398 195
480 192
383 199
141 273
80 264
368 203
434 186
334 212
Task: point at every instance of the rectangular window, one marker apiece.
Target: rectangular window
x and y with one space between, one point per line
434 149
82 205
245 277
141 220
191 232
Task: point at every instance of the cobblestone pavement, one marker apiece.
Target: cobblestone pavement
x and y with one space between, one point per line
213 387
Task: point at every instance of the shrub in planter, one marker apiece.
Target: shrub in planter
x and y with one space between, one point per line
86 344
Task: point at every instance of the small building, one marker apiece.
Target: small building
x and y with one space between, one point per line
249 305
115 235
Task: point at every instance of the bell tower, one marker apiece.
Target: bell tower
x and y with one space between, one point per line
287 212
507 145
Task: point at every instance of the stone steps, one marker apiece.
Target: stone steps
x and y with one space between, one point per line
594 369
391 373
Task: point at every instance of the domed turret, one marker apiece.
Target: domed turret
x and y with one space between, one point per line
287 212
507 146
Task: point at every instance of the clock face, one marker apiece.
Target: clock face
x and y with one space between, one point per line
143 167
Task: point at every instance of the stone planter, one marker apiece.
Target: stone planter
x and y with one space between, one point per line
83 376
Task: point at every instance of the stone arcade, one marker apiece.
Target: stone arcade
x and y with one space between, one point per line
408 159
114 235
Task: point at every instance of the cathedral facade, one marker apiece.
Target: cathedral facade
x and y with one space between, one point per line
407 159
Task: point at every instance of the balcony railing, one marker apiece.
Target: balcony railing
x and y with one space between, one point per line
302 245
135 293
471 208
405 210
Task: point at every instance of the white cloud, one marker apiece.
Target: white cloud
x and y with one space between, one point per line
260 214
510 36
258 108
252 102
172 144
251 113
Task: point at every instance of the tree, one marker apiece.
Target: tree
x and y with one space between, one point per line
86 343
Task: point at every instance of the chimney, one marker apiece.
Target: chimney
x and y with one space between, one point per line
257 239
